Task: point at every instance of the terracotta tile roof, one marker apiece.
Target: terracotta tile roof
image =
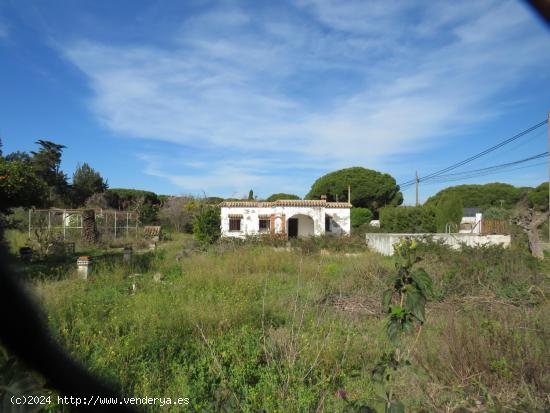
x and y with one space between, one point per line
286 202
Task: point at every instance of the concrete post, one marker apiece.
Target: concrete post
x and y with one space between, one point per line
84 265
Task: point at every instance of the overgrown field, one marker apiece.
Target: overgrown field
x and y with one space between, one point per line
254 327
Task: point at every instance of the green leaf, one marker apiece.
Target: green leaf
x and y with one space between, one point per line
393 328
423 281
416 305
386 299
397 311
395 407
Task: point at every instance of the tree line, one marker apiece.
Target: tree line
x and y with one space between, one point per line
34 179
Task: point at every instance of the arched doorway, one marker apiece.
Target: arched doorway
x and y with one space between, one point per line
300 225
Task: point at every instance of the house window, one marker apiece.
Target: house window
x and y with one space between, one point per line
264 224
327 224
234 224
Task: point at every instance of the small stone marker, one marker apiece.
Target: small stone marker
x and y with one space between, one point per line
127 254
84 265
157 277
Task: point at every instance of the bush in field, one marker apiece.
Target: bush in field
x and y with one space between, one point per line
206 225
538 198
408 219
360 216
449 210
405 305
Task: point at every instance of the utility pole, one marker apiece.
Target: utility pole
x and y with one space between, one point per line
417 181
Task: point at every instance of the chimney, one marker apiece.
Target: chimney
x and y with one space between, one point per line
349 194
323 197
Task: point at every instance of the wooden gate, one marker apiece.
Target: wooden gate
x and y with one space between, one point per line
494 226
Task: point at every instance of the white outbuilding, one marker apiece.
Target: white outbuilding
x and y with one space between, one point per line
286 218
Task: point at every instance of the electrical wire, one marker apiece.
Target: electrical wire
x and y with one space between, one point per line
474 157
481 172
494 168
489 173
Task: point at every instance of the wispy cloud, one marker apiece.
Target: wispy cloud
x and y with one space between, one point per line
334 85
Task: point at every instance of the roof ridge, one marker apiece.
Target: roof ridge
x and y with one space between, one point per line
286 202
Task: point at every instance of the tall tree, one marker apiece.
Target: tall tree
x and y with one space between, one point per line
369 189
86 182
46 162
251 195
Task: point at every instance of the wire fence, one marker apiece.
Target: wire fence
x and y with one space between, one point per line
66 224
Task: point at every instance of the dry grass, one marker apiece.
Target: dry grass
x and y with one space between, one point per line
246 327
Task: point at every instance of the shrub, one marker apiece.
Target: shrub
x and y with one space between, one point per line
408 219
360 216
449 211
206 225
496 213
538 198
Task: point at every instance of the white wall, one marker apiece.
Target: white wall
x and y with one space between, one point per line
472 222
340 220
383 243
250 220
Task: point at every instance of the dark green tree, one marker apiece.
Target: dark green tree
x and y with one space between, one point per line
46 162
449 210
360 216
538 197
483 196
18 156
276 197
369 189
86 182
19 186
123 199
408 219
206 225
251 195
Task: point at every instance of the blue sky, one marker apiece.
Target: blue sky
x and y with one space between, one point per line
220 97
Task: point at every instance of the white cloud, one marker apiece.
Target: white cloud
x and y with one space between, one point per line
384 80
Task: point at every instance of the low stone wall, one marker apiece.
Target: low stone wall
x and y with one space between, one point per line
383 243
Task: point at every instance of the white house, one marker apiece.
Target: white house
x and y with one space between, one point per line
471 221
286 218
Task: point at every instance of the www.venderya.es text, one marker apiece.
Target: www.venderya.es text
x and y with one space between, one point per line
99 400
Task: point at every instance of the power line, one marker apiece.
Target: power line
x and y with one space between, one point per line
480 172
474 157
489 173
489 168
